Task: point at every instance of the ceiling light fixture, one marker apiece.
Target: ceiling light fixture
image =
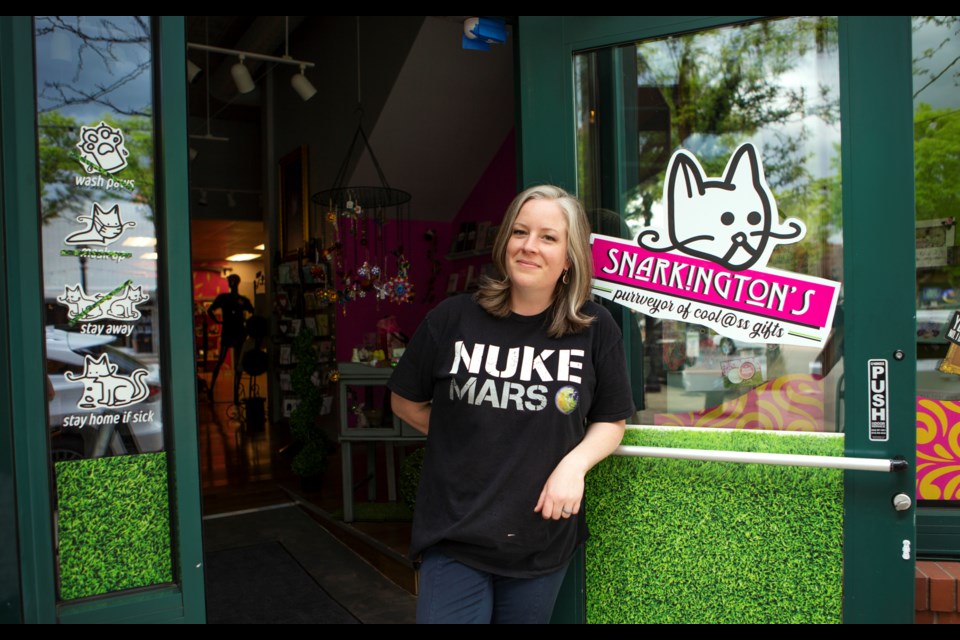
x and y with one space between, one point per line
241 76
242 257
302 86
140 241
207 136
260 247
192 71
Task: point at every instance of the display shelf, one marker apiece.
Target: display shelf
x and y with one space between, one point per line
360 376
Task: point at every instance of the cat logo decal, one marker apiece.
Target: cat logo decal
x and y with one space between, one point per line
102 387
102 149
708 266
731 221
105 227
122 305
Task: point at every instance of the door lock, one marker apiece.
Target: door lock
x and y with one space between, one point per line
902 502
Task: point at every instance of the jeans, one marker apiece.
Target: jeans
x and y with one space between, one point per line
454 593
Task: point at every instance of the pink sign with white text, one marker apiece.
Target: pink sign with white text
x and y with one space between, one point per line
710 269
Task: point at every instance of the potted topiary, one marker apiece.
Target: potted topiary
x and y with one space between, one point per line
410 476
310 462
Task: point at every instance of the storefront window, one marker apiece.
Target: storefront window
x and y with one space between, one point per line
772 86
936 130
96 141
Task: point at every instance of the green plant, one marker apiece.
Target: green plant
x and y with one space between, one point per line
113 524
410 476
311 460
709 542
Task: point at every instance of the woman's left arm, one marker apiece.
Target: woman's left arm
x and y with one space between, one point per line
562 495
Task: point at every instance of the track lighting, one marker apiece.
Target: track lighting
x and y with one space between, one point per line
302 85
241 77
192 71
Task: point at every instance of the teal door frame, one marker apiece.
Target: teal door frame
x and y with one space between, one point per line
9 553
25 319
22 354
877 150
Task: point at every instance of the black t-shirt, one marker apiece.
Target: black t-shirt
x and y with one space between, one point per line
508 403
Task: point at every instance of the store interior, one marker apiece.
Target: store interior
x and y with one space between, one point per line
368 108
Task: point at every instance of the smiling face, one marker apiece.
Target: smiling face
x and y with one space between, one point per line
536 253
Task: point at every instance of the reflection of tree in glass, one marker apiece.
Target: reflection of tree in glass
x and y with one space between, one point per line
928 66
59 168
725 86
936 139
110 40
936 130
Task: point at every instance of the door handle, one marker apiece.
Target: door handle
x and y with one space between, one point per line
782 459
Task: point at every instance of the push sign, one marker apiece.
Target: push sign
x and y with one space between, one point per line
879 400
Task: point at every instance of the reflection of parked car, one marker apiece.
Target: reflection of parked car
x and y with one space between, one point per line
728 346
71 439
932 324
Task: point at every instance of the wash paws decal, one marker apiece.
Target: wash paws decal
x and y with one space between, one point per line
102 149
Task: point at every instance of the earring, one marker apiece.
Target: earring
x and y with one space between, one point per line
566 278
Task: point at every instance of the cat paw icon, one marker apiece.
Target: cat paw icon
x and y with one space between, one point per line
102 148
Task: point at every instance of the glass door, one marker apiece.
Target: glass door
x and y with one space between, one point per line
94 156
737 171
936 130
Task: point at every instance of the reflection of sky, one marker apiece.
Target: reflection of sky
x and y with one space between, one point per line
108 60
810 73
120 75
943 93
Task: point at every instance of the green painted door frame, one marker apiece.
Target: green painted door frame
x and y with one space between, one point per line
878 176
25 319
876 116
21 332
9 553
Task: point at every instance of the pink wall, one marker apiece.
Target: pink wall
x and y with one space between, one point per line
356 319
210 284
486 202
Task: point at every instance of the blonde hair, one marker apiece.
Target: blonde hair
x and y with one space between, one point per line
568 299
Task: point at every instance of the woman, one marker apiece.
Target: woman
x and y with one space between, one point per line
503 384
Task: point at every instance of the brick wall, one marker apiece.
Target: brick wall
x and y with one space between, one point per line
937 592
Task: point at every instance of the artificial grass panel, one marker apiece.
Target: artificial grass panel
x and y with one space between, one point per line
708 542
113 524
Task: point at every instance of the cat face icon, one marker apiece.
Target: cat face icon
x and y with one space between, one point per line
79 304
105 227
732 221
